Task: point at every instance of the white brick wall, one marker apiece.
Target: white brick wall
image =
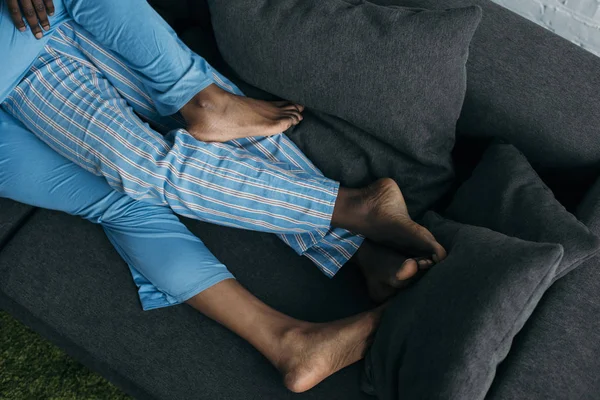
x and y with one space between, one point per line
576 20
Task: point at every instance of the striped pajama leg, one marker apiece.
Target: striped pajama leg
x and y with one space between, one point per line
168 263
80 99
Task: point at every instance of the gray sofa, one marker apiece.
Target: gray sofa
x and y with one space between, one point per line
60 276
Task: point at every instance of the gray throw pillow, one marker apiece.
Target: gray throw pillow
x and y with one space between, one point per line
506 195
555 356
386 83
443 337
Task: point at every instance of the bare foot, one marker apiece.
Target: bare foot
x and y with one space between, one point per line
386 270
215 115
379 212
315 352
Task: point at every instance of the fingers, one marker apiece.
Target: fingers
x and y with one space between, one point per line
35 12
15 14
40 10
49 7
31 18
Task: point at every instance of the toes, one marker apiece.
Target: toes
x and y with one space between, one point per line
282 124
293 107
408 269
429 244
294 115
293 118
288 105
439 253
425 263
286 121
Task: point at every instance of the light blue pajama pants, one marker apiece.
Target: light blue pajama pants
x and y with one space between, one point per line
80 99
168 263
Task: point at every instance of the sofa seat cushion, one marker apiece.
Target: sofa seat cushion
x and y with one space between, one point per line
555 356
78 287
12 216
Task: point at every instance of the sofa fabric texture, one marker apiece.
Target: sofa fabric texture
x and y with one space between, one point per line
515 91
444 336
506 195
555 356
337 57
12 217
73 288
78 285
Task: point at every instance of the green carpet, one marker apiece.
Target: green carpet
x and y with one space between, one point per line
32 368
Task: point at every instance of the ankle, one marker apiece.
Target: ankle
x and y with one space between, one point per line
208 98
350 210
292 335
289 343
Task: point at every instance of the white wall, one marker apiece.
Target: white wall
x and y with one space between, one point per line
576 20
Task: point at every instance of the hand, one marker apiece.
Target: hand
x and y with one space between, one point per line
36 13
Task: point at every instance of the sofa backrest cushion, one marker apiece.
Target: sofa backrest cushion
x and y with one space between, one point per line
396 75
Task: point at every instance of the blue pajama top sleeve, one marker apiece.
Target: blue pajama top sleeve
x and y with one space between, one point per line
172 74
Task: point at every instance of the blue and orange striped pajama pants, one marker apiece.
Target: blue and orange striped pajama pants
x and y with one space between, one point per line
88 105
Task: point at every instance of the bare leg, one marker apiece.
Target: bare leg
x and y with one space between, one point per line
305 353
379 212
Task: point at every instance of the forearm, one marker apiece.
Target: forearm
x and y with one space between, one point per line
170 71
